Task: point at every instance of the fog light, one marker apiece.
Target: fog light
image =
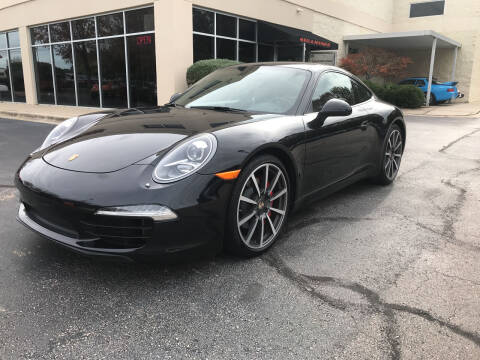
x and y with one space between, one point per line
155 212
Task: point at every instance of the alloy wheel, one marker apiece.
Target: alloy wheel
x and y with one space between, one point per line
262 206
393 154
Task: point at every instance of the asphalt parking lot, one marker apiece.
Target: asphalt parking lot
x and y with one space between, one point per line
368 273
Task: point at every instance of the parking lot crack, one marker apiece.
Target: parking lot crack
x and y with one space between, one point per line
458 140
307 283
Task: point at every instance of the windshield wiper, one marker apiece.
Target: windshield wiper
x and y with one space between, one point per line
218 108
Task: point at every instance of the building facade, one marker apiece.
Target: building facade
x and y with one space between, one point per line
130 53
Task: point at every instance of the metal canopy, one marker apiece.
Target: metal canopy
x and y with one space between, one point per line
402 40
411 40
270 33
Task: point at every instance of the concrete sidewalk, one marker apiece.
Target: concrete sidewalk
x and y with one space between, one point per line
42 113
448 110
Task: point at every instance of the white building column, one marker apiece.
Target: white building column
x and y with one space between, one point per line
173 46
430 74
454 66
27 65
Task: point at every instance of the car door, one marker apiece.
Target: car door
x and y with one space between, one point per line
333 150
422 84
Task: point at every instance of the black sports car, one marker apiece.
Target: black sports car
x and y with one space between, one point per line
221 165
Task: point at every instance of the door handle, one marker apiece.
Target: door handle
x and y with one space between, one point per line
364 125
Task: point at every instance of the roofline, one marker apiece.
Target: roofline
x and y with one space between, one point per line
404 34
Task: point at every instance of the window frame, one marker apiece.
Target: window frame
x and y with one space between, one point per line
237 39
96 38
7 49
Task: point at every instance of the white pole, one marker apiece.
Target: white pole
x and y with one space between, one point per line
430 74
452 78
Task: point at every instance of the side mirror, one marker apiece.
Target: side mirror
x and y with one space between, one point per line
333 107
175 97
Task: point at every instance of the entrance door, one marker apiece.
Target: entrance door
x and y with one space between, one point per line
322 57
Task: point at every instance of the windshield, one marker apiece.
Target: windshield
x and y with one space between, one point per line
264 89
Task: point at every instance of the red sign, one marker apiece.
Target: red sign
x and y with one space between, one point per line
315 42
144 40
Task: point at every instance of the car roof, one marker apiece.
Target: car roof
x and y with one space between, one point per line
296 65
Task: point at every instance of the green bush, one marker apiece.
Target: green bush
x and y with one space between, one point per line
202 68
406 96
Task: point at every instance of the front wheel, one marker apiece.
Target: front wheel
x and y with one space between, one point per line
259 206
391 156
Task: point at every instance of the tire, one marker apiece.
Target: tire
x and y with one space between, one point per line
433 100
390 160
252 225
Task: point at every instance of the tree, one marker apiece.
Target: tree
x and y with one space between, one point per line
372 62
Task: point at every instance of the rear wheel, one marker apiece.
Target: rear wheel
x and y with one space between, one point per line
433 100
391 156
259 207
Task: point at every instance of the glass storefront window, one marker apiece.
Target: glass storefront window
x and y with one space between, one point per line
3 41
247 30
203 21
64 78
226 49
5 90
221 36
140 20
109 25
142 72
13 39
246 52
82 62
39 35
87 73
17 75
83 28
43 74
113 76
203 47
226 25
60 32
12 87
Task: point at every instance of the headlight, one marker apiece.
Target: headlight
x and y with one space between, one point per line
185 159
69 128
57 132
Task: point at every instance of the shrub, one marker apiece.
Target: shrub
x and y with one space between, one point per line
202 68
406 96
372 62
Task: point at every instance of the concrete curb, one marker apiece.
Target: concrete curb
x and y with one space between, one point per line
32 117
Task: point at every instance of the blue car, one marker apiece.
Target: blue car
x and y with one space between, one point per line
440 93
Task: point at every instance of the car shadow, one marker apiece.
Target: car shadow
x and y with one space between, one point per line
48 255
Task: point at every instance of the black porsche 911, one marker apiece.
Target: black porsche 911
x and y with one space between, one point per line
221 166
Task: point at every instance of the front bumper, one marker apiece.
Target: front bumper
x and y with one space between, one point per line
63 206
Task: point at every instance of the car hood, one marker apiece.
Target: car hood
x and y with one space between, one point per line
123 138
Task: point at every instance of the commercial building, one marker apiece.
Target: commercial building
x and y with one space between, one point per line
119 53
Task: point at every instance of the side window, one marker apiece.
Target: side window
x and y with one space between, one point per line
332 86
407 82
362 94
420 83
